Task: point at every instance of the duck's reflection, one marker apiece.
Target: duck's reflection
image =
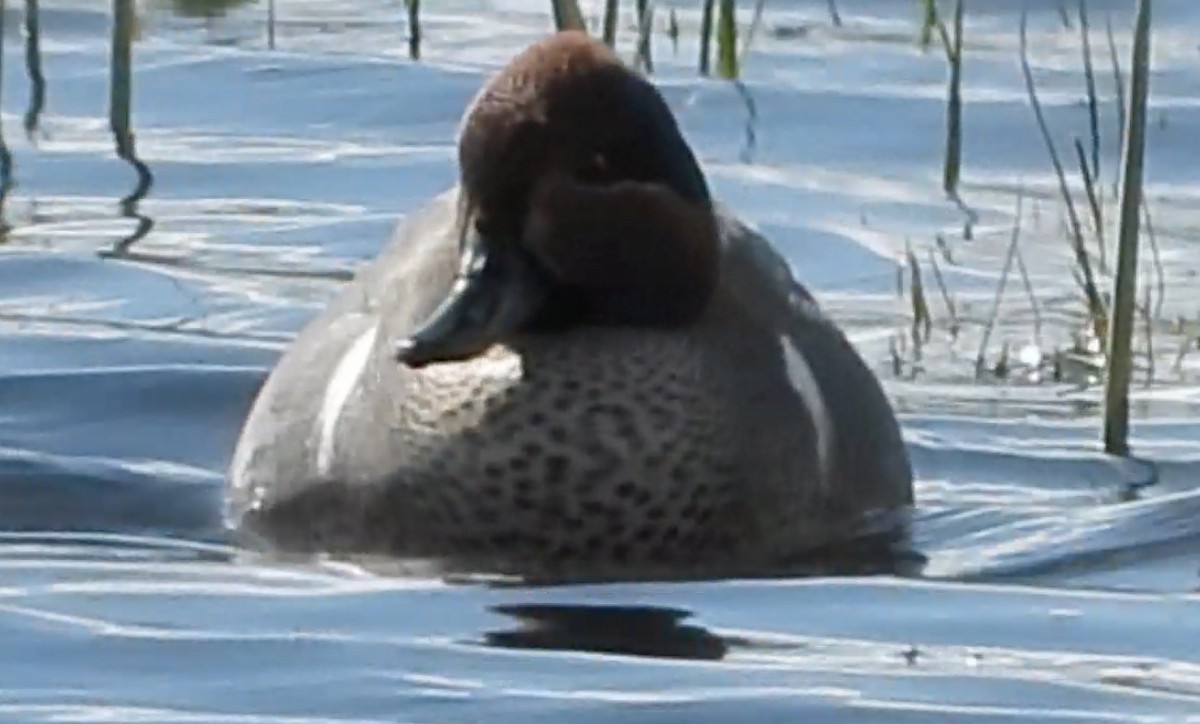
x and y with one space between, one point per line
629 630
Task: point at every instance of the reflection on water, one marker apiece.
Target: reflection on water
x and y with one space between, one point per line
6 160
628 630
33 65
120 99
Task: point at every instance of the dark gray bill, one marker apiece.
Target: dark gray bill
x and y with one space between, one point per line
497 291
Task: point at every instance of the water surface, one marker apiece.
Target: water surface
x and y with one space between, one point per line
1062 585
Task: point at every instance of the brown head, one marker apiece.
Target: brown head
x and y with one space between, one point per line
580 204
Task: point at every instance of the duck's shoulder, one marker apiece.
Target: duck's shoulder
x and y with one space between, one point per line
407 278
757 278
814 378
414 270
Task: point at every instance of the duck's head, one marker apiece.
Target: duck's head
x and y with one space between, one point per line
580 204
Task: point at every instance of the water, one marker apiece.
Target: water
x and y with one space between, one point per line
1062 585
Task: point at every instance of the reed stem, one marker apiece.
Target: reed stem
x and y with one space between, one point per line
1120 352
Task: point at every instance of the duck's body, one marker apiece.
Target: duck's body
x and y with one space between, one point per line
732 437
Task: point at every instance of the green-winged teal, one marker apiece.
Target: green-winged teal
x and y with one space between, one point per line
572 364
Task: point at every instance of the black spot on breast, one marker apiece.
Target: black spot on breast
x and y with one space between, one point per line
627 430
620 553
565 552
553 509
556 467
502 540
524 502
454 515
593 507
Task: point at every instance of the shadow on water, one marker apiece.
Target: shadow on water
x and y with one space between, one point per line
630 630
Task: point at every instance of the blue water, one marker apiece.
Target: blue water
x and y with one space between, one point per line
1062 585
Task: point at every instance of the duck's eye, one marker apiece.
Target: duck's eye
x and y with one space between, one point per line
596 169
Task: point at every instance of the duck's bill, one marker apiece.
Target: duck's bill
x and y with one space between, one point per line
497 292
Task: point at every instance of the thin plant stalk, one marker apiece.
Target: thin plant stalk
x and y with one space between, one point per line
953 161
6 159
673 30
1118 83
1160 275
727 51
1014 240
414 28
835 17
922 320
1089 76
1148 320
611 8
929 21
567 15
1120 357
1034 307
1093 198
1095 304
947 298
645 19
271 24
1064 15
706 32
752 29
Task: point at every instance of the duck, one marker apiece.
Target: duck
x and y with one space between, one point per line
574 364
